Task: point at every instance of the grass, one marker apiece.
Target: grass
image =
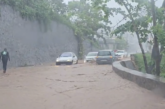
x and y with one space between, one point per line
140 63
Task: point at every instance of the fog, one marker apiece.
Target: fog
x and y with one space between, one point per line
132 39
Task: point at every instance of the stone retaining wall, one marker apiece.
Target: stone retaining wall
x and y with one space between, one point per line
29 45
147 81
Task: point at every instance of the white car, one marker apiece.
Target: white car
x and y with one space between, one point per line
91 56
120 54
67 58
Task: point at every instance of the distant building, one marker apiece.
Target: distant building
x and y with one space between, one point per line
110 43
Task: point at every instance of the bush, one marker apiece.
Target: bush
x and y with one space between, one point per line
140 63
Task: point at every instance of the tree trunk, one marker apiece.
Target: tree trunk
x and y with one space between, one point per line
143 53
155 51
91 46
80 47
163 5
105 42
137 33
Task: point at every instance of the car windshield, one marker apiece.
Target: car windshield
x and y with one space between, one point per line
92 54
120 51
104 53
66 55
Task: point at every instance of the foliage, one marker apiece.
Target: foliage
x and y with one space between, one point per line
159 29
141 17
137 21
121 44
87 22
139 61
141 25
41 10
140 64
78 15
135 17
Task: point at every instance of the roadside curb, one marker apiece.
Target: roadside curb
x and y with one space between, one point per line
144 80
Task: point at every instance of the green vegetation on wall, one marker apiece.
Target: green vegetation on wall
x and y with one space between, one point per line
41 10
45 11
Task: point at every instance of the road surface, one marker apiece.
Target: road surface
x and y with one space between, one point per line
72 87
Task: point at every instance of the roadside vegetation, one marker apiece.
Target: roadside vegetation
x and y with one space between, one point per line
87 22
141 67
144 19
46 11
39 10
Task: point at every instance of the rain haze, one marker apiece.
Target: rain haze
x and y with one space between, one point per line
131 38
55 55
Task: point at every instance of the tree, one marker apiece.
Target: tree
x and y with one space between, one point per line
143 18
158 15
120 44
88 23
135 21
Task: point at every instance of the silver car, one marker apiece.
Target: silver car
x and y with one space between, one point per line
91 56
67 58
120 54
105 57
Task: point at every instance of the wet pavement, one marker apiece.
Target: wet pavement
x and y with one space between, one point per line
82 86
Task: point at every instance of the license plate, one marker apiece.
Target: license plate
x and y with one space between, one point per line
104 60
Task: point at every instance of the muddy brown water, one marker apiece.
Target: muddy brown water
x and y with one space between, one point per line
82 86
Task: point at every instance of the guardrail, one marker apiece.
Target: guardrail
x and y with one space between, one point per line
144 80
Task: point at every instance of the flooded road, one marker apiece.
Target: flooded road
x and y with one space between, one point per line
72 87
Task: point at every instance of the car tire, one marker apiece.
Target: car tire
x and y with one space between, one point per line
97 63
77 62
110 63
113 61
57 63
71 63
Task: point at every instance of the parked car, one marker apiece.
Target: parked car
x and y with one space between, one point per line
67 58
105 57
120 54
90 57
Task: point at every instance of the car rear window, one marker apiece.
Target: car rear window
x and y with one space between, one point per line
92 54
104 53
120 51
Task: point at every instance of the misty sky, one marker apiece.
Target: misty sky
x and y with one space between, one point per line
158 2
117 18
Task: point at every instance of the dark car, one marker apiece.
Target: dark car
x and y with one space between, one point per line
105 57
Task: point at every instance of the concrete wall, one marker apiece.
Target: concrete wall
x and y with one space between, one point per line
147 81
27 44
